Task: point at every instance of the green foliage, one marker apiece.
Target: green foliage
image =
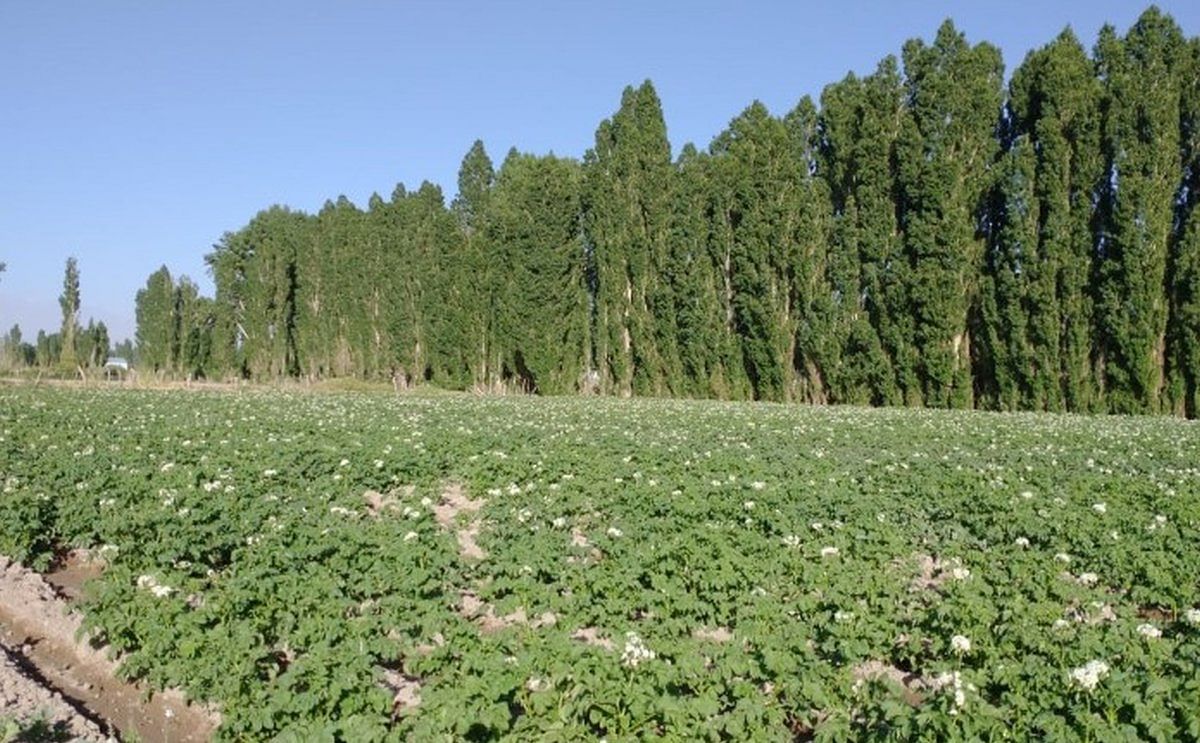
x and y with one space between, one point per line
924 237
38 729
475 277
946 146
153 310
1054 108
174 326
1010 282
69 302
626 213
709 350
539 323
476 176
1183 361
769 221
785 571
1140 142
871 326
15 352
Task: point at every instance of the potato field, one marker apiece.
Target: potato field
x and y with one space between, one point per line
367 566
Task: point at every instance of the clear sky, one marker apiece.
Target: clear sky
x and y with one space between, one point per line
133 134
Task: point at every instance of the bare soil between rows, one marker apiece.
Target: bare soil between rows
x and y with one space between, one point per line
44 661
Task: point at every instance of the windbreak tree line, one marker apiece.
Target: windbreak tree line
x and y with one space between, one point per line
923 235
74 348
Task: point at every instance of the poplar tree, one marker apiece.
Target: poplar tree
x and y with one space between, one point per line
69 302
13 355
369 269
316 299
860 125
753 164
627 226
1184 267
269 342
191 325
446 309
1011 273
330 309
817 308
767 217
227 265
476 179
1054 104
533 240
48 349
154 311
476 176
93 344
710 353
947 144
1142 87
407 262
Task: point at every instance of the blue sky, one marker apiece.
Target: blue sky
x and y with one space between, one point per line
133 134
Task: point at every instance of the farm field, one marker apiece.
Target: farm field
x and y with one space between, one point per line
363 566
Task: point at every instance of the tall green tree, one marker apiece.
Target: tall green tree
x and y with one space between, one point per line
13 355
269 327
93 344
227 265
541 329
814 305
329 310
1013 273
476 274
709 349
1054 108
447 310
476 177
1183 339
192 324
409 250
770 222
947 144
627 210
48 349
860 127
1141 74
69 302
155 330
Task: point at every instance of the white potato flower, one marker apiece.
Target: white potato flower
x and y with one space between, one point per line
1089 675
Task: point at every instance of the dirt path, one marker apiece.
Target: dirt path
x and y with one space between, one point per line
38 711
39 630
454 501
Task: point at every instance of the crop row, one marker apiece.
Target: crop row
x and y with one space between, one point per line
361 566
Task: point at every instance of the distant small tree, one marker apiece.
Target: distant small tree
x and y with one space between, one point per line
11 354
69 301
94 344
153 307
47 353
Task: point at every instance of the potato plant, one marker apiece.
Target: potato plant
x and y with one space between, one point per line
638 569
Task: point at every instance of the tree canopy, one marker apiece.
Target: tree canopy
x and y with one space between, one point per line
922 235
